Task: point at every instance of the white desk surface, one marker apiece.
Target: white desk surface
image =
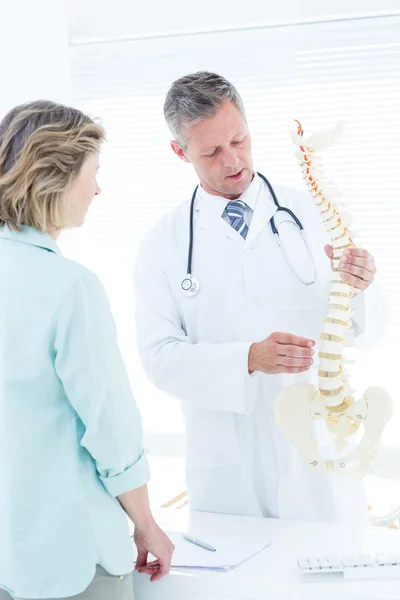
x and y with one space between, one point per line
273 574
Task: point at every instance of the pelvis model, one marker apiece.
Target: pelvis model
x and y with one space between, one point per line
299 405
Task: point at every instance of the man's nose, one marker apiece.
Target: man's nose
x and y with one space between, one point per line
229 159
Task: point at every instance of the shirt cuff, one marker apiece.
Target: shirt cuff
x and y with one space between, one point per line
131 479
251 384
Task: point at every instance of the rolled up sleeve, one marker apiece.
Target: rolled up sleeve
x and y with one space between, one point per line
90 367
132 478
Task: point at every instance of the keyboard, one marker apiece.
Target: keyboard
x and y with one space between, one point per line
352 566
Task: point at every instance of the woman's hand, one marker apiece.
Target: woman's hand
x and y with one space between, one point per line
150 539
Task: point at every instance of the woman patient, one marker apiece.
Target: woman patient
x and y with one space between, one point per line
71 455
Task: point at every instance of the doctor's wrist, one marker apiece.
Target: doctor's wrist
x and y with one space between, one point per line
253 363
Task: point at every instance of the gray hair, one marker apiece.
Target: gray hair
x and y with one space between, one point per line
195 97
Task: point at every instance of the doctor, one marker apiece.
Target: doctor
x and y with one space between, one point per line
225 318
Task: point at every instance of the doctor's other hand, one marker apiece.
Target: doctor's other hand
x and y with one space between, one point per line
150 539
281 353
357 266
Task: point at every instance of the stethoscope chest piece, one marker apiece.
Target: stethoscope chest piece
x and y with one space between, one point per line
190 286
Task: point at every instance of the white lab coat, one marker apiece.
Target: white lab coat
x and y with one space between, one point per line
196 349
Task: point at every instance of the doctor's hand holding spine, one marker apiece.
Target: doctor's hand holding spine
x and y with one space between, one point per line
286 353
357 267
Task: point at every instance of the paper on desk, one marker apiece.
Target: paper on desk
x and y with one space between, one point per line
236 539
231 551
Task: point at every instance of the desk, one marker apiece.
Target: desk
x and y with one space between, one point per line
273 574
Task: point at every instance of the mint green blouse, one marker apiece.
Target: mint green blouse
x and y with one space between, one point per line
70 432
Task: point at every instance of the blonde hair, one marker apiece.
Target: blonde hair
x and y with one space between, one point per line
42 148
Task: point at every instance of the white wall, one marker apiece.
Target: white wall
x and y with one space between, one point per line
34 50
94 20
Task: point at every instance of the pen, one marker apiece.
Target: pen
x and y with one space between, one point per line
197 542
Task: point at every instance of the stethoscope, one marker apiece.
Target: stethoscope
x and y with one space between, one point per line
190 285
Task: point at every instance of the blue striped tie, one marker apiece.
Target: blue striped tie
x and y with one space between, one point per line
235 211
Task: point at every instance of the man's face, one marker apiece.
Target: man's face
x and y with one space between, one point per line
219 148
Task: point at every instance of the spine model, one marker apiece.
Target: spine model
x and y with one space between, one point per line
333 379
333 400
